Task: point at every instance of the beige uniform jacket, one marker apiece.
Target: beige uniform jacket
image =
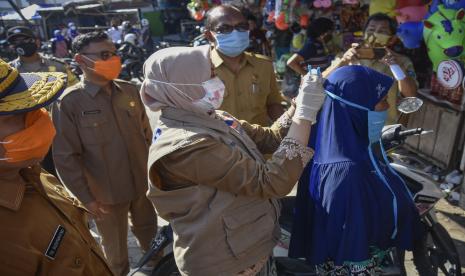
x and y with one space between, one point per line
250 91
211 182
44 231
45 65
102 142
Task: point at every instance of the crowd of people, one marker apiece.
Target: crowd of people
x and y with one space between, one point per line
224 150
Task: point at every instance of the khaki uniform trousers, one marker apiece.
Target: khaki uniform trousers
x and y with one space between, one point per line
113 228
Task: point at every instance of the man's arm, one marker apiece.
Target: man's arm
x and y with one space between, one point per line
294 63
273 103
67 151
408 86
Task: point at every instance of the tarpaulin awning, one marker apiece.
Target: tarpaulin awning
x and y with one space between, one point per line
29 13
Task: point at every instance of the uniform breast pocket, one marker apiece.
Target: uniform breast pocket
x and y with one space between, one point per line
257 94
92 129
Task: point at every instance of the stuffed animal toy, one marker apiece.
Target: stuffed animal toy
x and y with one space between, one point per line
411 34
444 35
411 14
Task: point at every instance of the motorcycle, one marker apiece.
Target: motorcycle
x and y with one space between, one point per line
436 251
132 59
73 66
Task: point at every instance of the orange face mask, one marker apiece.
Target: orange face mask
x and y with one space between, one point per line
109 69
33 142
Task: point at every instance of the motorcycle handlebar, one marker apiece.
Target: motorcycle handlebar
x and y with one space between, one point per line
409 132
397 135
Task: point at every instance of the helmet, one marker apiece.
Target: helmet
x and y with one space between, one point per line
56 32
144 22
126 25
131 38
70 24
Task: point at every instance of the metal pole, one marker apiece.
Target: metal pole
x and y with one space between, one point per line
15 7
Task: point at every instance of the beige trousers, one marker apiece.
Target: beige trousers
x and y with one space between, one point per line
113 228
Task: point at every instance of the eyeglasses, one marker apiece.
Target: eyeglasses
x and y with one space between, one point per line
227 29
104 55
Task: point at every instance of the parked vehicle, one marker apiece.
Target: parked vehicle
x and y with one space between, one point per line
132 59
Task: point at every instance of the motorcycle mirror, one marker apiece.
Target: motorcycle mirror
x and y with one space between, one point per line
409 105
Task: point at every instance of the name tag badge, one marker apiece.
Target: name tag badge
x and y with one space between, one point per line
91 112
55 243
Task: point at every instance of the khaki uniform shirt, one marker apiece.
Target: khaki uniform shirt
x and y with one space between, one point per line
212 183
45 65
102 142
249 92
44 231
394 93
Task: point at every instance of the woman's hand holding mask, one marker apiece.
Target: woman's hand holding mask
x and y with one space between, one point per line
311 97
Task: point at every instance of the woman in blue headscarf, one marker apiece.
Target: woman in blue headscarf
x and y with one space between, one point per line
352 206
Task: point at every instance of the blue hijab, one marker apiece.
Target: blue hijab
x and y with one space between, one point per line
348 199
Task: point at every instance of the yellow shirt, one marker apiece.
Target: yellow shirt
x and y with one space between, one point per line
250 91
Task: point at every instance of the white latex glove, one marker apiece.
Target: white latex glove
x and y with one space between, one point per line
310 98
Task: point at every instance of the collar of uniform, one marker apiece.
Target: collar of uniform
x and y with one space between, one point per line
194 118
217 60
11 194
92 88
19 62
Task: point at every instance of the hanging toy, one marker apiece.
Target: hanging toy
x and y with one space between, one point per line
197 9
304 21
411 14
322 4
383 6
409 3
444 35
281 23
411 34
350 2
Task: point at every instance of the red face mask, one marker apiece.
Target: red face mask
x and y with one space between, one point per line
33 142
108 69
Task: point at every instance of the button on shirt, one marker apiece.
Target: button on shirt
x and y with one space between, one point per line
102 142
250 91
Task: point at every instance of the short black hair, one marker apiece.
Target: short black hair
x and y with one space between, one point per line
208 20
382 17
83 40
319 26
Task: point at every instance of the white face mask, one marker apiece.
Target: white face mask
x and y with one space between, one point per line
214 93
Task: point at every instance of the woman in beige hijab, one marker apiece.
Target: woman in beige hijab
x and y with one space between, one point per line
207 173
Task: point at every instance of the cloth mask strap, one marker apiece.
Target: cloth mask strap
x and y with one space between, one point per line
172 84
385 182
336 97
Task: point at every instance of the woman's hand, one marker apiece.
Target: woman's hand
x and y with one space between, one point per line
310 98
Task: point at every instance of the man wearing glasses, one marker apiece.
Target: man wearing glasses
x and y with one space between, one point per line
251 90
101 148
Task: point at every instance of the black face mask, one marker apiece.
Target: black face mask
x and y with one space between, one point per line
26 49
